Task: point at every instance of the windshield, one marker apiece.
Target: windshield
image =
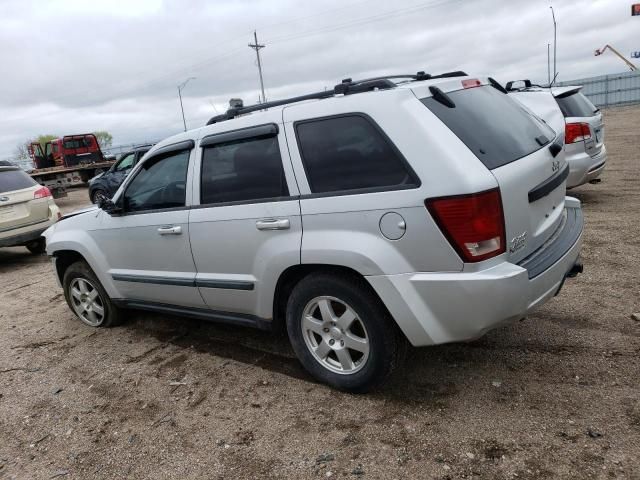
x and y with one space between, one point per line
496 128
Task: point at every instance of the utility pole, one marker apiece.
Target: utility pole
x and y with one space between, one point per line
180 87
555 29
256 46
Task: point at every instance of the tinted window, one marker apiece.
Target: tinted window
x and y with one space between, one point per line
496 128
350 153
576 105
242 171
160 183
11 180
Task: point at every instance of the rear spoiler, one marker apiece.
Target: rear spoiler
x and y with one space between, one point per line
567 93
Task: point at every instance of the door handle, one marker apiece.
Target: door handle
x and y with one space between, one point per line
273 224
170 230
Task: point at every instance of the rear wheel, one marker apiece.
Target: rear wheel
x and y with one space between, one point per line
37 247
87 298
342 333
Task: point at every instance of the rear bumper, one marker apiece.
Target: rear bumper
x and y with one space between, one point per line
584 168
434 308
29 232
23 238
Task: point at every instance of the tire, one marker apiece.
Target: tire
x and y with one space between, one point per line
37 247
97 193
368 366
87 298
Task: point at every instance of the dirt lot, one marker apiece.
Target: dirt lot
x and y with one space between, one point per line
554 396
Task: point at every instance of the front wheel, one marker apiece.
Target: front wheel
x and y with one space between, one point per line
87 298
342 333
98 195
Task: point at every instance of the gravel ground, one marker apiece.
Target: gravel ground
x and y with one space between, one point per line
554 396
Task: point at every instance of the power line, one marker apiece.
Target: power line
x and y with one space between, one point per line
329 28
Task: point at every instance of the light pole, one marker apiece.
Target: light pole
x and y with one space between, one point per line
180 87
555 28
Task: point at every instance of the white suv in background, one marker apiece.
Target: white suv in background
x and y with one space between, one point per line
427 208
569 109
26 209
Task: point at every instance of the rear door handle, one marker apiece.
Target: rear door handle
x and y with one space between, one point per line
273 224
170 230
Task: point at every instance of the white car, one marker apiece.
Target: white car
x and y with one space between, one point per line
26 209
428 209
566 109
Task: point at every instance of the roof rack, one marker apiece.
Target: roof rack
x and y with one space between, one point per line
346 87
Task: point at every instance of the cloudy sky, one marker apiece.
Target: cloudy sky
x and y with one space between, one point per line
74 66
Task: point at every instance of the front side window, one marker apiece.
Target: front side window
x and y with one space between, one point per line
241 171
349 153
160 183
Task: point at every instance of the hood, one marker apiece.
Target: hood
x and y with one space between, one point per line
92 208
91 180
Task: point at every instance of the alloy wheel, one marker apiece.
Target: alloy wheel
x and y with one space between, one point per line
86 301
335 335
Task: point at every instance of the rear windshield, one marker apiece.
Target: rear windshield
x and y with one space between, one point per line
496 128
11 180
576 105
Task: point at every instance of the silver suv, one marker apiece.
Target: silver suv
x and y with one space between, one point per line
570 110
426 209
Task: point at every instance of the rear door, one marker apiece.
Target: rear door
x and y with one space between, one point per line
245 226
18 207
577 108
523 154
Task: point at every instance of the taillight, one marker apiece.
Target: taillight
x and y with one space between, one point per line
473 224
576 132
42 193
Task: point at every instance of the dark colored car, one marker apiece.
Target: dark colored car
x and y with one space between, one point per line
106 184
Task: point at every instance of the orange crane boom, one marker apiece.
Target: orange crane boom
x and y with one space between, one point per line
600 51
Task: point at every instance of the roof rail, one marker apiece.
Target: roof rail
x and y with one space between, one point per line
346 87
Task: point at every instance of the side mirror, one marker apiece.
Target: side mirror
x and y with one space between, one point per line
108 206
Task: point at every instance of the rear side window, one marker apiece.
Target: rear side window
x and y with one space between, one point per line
496 128
11 180
242 171
576 105
349 153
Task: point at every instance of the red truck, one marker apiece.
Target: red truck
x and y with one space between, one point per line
67 161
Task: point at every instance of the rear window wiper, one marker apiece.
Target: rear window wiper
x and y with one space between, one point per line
441 97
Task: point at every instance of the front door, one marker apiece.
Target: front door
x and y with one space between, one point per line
147 245
247 228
